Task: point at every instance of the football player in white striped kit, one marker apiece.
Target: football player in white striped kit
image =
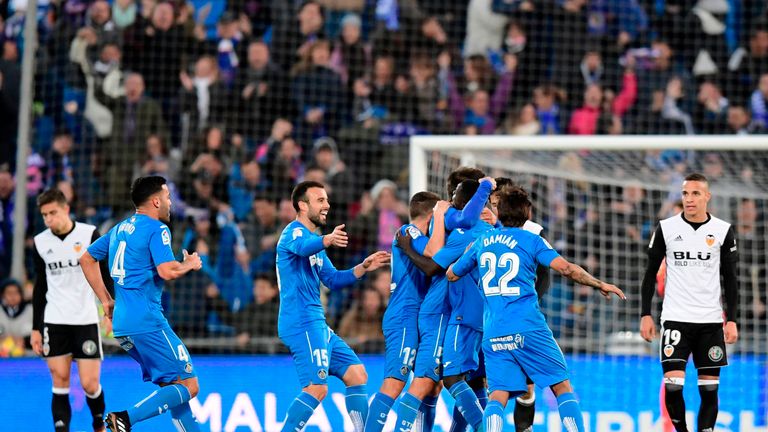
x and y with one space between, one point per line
66 319
699 249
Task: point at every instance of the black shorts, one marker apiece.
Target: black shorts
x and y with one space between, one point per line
79 341
679 340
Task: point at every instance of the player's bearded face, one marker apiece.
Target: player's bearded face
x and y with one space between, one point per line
318 206
165 204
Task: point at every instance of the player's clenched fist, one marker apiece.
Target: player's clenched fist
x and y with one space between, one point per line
336 238
193 261
490 180
441 207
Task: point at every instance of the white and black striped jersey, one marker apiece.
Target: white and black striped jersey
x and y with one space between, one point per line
62 295
697 255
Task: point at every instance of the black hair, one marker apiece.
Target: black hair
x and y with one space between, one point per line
300 192
144 187
460 174
464 192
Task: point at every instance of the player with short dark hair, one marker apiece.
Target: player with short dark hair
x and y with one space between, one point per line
302 264
516 349
400 322
700 249
65 318
140 259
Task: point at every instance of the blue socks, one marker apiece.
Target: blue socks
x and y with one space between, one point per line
494 417
570 413
458 424
407 410
427 410
357 406
379 410
158 402
183 418
467 402
299 412
482 396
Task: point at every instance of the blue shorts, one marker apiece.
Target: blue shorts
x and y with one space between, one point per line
509 360
400 355
430 352
319 352
161 354
460 350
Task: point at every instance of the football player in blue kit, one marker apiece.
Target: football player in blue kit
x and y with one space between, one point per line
463 334
434 317
302 264
400 322
523 347
140 259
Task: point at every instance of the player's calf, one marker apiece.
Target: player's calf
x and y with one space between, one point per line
382 403
674 401
568 406
708 387
525 410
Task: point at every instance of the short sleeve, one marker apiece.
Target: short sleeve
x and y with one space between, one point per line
418 239
160 246
545 254
100 248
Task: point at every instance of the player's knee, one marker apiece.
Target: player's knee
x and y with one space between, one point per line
674 383
449 381
90 385
60 378
192 386
355 375
318 391
527 396
562 387
708 388
392 387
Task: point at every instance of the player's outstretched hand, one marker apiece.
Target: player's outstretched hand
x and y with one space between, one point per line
338 237
36 340
731 332
403 241
647 328
607 289
491 180
193 261
441 207
376 260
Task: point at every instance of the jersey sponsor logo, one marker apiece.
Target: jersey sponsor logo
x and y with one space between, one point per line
715 353
678 238
710 240
688 255
57 266
508 343
89 347
50 251
297 232
78 247
166 237
669 350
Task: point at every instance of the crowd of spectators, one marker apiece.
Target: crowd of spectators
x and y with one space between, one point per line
234 102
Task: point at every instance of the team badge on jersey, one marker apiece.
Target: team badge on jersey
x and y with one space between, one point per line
715 353
710 239
322 374
188 368
404 371
669 350
89 347
78 247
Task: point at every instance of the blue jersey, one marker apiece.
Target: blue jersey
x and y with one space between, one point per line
136 246
409 284
301 265
507 260
463 296
470 214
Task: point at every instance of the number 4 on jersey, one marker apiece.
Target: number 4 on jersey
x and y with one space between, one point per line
118 269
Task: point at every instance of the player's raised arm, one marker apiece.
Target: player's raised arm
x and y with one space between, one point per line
657 249
437 239
470 214
577 274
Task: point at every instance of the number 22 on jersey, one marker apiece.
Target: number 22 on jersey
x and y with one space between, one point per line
490 264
